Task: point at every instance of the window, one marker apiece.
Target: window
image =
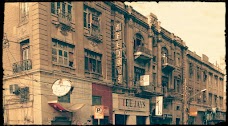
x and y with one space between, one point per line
91 19
191 70
24 94
177 107
112 29
215 97
165 105
62 53
96 100
154 42
25 49
63 9
178 86
138 41
198 74
204 76
204 97
178 61
137 73
210 99
154 78
93 62
199 97
221 102
65 98
24 11
164 53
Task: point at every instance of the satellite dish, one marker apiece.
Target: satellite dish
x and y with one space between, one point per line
61 87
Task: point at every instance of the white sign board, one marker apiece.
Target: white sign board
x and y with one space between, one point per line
145 80
159 105
99 112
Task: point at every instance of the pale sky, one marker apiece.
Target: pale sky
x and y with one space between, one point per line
201 25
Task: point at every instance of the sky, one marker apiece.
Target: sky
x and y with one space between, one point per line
201 25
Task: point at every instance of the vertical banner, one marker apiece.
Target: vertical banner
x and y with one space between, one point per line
159 105
118 52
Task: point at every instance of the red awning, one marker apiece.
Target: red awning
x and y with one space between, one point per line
65 107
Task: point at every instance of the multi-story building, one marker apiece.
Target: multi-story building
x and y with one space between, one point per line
204 75
62 43
64 60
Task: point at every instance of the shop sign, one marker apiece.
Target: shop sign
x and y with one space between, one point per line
118 52
135 104
167 116
144 80
99 112
159 105
193 111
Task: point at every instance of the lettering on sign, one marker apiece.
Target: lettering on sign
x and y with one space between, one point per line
118 26
118 45
135 104
159 105
119 53
120 79
118 35
119 70
119 62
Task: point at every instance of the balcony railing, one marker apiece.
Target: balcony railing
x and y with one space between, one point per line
22 66
93 34
167 63
143 53
65 18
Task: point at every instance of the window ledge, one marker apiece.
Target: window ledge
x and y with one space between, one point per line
56 64
93 75
21 23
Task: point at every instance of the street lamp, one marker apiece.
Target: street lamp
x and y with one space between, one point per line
187 104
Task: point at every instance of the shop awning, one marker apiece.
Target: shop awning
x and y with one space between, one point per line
65 107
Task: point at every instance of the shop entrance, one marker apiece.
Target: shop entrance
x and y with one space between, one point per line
61 121
141 120
120 119
177 121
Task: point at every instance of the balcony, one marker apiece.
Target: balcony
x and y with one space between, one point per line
167 64
93 34
143 53
65 19
172 95
22 66
149 90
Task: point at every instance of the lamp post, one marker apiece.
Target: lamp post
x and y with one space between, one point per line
186 103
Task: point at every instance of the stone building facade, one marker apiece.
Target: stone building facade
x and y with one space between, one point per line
204 75
110 55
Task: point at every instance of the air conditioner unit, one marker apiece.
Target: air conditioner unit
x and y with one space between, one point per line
89 25
14 89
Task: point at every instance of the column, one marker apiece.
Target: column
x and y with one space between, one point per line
131 120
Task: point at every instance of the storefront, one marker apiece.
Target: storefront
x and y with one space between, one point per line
128 110
102 95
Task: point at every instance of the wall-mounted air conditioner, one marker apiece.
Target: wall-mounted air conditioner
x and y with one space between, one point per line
14 89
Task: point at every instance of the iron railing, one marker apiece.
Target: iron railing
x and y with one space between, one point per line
65 18
22 66
167 60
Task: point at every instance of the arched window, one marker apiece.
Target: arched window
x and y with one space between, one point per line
164 53
138 41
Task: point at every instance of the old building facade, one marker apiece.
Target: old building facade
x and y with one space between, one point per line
210 103
109 55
